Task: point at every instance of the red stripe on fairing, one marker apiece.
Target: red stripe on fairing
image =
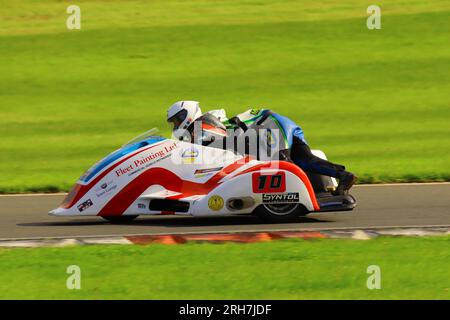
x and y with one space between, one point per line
81 190
214 181
167 179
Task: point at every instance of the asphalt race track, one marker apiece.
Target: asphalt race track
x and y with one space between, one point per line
25 216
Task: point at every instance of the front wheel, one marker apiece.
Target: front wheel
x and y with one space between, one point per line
287 212
120 219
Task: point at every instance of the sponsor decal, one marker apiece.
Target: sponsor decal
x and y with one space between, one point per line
215 203
255 111
189 155
200 173
88 203
105 188
207 170
278 198
141 206
144 162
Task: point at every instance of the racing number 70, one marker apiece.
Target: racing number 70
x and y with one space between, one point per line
268 183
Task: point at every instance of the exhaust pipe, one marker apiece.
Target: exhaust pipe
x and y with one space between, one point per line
240 203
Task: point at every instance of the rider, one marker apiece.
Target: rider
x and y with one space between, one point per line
184 114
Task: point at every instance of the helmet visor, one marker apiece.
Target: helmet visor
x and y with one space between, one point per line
178 119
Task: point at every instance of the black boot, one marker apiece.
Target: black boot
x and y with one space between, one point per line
346 181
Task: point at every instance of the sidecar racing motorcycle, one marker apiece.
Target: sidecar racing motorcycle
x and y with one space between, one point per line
152 175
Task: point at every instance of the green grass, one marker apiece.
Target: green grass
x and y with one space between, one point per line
411 268
376 101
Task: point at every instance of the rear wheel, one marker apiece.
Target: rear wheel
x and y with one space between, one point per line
120 219
286 212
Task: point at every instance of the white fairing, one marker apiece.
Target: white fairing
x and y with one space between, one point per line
243 183
205 180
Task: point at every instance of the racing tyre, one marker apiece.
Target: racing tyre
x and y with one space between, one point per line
120 219
288 212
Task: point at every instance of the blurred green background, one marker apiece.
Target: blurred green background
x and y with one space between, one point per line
374 100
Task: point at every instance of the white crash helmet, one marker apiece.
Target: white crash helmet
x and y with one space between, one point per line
182 113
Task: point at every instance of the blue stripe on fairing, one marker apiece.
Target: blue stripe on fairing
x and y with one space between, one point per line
99 166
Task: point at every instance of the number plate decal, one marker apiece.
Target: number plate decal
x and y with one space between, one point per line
269 183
